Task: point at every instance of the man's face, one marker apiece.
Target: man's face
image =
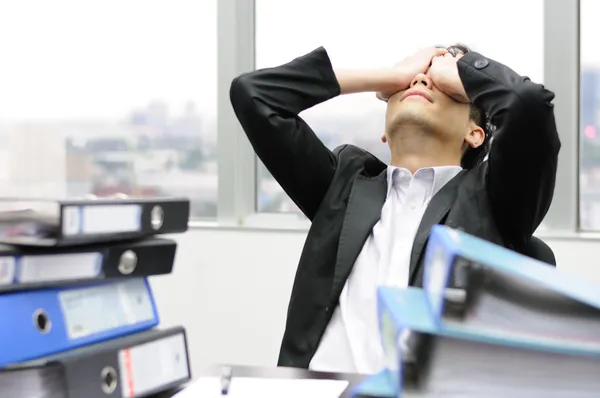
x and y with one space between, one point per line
424 106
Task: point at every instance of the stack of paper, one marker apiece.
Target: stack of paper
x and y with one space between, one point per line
246 387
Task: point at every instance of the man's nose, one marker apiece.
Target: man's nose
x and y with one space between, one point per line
422 79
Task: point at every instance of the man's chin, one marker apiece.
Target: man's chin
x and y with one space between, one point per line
411 116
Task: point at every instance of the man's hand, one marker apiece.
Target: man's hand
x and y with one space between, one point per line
444 74
387 81
408 68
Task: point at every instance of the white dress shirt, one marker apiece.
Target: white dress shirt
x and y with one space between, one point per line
352 341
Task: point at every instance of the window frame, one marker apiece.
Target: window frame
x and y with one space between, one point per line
561 75
237 195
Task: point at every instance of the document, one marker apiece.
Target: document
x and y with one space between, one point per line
249 387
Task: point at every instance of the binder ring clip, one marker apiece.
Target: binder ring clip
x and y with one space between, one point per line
157 216
127 262
42 321
109 379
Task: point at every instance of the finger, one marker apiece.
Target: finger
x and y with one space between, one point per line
454 57
447 59
431 51
429 54
434 52
381 97
447 56
441 57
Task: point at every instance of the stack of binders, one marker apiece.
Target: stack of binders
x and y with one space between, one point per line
77 314
488 322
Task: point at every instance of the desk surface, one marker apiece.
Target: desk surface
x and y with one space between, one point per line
274 372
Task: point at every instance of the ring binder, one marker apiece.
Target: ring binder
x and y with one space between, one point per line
76 222
34 268
44 322
157 360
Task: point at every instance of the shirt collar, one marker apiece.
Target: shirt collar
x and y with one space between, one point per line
439 176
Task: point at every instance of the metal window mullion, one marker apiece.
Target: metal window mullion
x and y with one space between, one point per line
237 163
561 75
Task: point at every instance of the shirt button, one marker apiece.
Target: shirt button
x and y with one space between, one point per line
413 205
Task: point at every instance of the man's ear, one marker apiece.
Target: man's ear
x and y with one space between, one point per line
384 138
475 137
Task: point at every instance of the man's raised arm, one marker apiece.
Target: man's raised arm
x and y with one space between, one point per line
523 160
267 103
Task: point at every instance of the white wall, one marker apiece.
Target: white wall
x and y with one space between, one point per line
230 290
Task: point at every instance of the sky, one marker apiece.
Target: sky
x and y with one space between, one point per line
103 58
376 33
590 32
77 59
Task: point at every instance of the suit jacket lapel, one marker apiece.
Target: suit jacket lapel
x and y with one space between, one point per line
362 213
436 211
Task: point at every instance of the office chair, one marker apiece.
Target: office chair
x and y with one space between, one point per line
539 250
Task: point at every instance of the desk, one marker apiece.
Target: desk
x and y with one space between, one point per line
274 373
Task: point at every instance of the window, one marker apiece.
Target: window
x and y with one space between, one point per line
380 34
589 118
112 96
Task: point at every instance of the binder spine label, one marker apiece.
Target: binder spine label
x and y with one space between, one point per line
7 270
98 309
59 267
101 219
152 365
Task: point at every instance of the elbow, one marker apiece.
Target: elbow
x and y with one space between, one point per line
537 108
242 103
238 91
242 95
246 106
535 97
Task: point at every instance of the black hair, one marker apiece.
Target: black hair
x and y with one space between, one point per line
475 156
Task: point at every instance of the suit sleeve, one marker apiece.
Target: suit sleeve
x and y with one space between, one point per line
267 103
521 167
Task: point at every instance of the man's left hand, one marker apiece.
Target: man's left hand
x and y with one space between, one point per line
444 74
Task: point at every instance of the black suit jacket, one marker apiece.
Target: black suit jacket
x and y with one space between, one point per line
342 192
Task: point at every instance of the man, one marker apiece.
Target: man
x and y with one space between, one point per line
371 221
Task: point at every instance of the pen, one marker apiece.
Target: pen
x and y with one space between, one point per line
225 380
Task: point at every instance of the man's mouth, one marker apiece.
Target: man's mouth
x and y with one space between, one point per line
416 93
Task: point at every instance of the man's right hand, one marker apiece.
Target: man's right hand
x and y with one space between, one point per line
387 81
405 71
